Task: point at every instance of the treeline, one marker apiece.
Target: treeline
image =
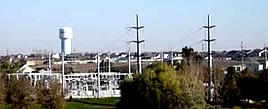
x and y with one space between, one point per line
181 86
18 93
244 88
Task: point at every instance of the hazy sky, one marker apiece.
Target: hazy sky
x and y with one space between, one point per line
100 25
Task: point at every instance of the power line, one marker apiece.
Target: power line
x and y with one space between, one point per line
115 41
188 37
116 48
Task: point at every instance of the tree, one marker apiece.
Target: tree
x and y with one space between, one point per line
187 52
230 91
49 94
191 63
71 70
3 90
250 86
21 93
9 67
218 80
161 87
264 79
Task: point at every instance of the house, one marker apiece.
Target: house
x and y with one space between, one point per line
44 71
237 54
25 69
233 54
19 56
255 67
122 60
123 55
33 61
239 68
56 56
150 55
256 53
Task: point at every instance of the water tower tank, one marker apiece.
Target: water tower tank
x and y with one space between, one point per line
66 35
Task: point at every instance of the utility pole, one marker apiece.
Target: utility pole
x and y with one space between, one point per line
203 47
171 55
109 62
208 27
242 56
265 57
62 71
162 56
98 70
129 63
7 52
49 62
138 41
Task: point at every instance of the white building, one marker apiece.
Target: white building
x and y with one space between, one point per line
25 69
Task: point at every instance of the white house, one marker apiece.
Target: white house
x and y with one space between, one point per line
25 69
239 67
255 67
56 56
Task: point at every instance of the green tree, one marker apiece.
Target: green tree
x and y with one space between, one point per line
3 90
191 63
161 87
230 91
250 86
9 67
218 80
21 93
187 52
49 94
263 77
71 70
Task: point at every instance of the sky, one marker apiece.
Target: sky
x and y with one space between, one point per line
102 25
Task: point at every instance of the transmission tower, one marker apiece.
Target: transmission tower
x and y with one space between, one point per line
242 56
265 57
138 41
208 27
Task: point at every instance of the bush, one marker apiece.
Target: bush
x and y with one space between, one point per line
160 87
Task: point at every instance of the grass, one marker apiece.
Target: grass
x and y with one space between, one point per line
101 101
76 105
92 103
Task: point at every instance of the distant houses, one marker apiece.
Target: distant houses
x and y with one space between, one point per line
252 59
86 62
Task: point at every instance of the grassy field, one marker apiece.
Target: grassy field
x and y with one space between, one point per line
76 105
93 103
